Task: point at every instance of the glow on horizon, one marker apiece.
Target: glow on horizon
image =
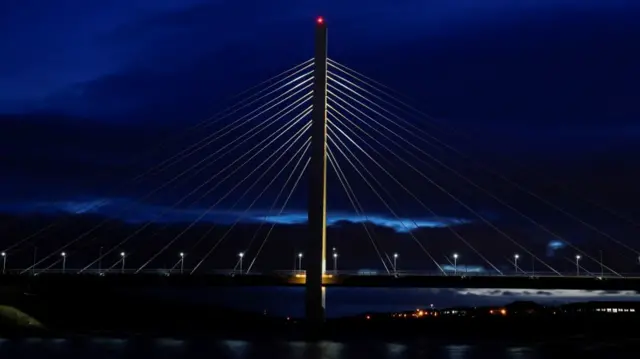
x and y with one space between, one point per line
555 293
132 212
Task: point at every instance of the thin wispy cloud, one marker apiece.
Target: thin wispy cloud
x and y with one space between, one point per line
132 212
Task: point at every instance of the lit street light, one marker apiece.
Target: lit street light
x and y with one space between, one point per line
241 255
64 261
335 262
395 263
455 263
577 265
181 262
300 261
515 261
4 262
122 254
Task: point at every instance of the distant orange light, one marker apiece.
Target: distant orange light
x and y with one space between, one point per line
320 20
503 312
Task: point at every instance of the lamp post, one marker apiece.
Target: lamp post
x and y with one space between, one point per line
515 262
395 263
100 261
577 265
241 255
35 260
300 262
181 262
455 263
335 262
601 266
123 256
64 261
4 262
533 265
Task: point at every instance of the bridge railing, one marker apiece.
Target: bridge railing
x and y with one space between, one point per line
158 271
301 273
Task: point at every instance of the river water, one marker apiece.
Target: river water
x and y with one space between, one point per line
99 348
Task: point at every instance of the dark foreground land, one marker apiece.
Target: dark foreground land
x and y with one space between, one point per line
125 315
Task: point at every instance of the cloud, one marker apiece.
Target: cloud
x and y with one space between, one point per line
44 56
132 212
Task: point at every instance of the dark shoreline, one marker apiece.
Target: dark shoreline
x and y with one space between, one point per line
119 315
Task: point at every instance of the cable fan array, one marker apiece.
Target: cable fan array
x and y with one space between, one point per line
228 191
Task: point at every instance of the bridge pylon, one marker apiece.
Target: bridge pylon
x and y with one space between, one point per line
317 201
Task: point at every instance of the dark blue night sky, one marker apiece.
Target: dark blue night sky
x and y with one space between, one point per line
538 78
86 87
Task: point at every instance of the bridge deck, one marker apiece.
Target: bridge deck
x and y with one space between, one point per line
330 280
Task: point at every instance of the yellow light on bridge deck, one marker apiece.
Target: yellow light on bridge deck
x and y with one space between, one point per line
323 276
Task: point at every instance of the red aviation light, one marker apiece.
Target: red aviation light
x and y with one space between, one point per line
320 20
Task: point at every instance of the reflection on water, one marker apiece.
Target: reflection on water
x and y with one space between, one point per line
457 351
98 348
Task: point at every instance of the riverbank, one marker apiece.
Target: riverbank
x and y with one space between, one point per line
122 315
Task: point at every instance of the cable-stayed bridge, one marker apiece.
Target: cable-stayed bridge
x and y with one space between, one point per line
319 128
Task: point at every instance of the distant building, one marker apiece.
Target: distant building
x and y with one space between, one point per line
618 308
459 311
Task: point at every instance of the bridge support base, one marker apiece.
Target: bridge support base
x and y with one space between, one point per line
315 306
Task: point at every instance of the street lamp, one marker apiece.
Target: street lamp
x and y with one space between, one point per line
515 261
122 254
100 261
64 261
335 262
181 262
455 263
578 265
300 261
35 257
395 263
241 255
4 262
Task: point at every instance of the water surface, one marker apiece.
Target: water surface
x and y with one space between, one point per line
103 348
